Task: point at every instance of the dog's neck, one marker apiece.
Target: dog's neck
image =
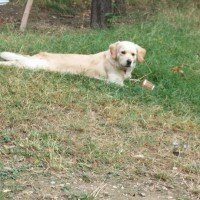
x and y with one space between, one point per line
114 63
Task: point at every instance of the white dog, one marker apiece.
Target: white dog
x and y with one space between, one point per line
114 65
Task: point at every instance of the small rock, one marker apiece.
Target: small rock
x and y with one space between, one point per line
138 156
6 191
21 145
142 194
115 187
53 182
164 188
62 185
170 186
28 192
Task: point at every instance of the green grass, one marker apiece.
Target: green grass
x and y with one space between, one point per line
62 122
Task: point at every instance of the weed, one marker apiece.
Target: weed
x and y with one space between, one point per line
162 175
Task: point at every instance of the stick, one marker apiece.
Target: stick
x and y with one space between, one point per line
138 80
26 15
97 190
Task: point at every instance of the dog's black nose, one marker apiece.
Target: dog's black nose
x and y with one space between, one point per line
128 62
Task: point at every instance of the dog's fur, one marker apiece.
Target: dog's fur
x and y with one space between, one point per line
114 65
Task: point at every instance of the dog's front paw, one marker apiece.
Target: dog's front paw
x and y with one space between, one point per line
127 76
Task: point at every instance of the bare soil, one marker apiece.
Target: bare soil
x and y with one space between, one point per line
41 17
40 184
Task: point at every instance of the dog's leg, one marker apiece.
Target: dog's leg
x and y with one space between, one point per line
115 78
128 73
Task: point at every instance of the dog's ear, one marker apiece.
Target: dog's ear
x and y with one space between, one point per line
113 50
141 52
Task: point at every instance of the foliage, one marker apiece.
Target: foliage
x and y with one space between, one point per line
76 6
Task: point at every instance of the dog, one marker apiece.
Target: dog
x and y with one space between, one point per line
114 65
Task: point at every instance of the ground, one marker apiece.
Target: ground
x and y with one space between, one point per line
40 17
70 137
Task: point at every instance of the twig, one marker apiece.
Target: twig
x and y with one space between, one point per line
139 79
96 192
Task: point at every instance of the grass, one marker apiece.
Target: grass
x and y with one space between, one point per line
65 124
60 6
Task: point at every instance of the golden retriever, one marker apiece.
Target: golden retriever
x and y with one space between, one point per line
114 65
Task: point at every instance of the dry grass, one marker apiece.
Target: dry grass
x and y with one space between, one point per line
79 132
60 127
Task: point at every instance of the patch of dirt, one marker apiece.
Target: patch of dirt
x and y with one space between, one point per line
41 17
40 184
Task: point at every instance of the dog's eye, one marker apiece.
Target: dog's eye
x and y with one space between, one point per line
133 54
123 52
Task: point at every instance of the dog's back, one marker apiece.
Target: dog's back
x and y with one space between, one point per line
90 65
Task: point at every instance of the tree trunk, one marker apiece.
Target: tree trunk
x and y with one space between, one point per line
99 10
119 7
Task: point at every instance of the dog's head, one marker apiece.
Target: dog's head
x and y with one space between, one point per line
126 54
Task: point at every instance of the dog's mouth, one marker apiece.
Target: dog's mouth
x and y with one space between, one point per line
124 70
126 66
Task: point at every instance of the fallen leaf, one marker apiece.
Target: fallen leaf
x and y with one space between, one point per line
178 70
